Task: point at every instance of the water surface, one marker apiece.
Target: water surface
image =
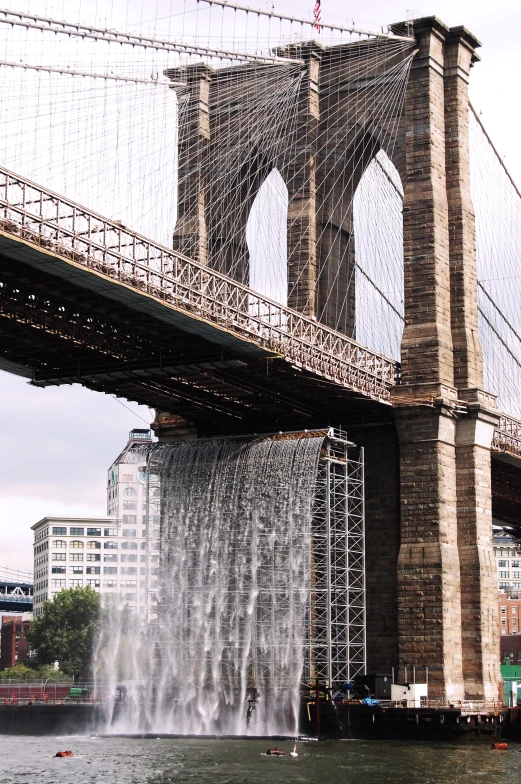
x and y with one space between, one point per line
28 760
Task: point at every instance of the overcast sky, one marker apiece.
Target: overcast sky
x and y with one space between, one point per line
57 443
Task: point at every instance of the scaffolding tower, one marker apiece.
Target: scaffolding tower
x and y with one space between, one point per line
337 627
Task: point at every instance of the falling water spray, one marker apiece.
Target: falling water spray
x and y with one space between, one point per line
223 649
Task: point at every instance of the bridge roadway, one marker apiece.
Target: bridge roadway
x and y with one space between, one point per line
85 300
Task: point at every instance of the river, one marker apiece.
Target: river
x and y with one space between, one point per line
30 760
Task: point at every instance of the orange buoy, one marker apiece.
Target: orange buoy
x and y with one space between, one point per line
64 754
499 746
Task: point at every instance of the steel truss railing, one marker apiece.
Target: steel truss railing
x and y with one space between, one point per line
57 225
507 436
337 628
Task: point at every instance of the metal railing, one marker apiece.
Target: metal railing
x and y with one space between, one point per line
48 221
507 436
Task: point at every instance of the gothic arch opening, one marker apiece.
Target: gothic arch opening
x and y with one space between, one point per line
378 231
266 237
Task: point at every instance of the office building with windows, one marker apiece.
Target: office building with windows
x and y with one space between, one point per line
110 554
507 549
70 552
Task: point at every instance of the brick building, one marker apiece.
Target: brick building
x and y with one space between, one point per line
14 645
509 611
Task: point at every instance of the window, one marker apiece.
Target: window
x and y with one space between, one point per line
58 583
94 545
127 583
515 564
110 546
76 544
59 544
128 558
93 531
76 556
502 563
75 569
129 505
503 621
128 570
93 557
27 628
111 532
130 597
129 545
514 610
142 570
130 491
93 583
504 574
92 570
110 557
129 532
143 545
77 531
59 556
143 558
110 583
110 570
503 631
18 637
58 531
75 583
58 569
129 519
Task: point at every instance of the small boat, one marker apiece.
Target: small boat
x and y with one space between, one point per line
294 753
275 752
500 746
64 754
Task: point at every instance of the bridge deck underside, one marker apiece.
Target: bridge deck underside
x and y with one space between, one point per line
64 333
506 488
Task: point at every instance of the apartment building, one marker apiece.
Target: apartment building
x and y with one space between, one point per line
507 550
110 554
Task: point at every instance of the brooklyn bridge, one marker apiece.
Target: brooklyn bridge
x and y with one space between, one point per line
379 314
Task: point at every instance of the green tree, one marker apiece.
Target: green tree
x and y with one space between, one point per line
24 672
66 631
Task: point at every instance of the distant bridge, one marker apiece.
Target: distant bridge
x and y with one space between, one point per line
16 592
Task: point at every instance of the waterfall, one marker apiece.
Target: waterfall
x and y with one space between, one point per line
233 593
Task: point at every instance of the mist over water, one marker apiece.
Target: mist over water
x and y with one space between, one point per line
233 593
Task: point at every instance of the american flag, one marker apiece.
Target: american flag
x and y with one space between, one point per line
317 15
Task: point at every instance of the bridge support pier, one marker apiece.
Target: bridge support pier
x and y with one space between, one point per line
446 592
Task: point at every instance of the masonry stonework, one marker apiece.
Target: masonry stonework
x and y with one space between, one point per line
446 565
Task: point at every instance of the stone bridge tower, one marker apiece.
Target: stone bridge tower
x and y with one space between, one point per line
432 574
447 601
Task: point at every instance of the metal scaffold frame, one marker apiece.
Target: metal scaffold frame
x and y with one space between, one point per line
337 628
